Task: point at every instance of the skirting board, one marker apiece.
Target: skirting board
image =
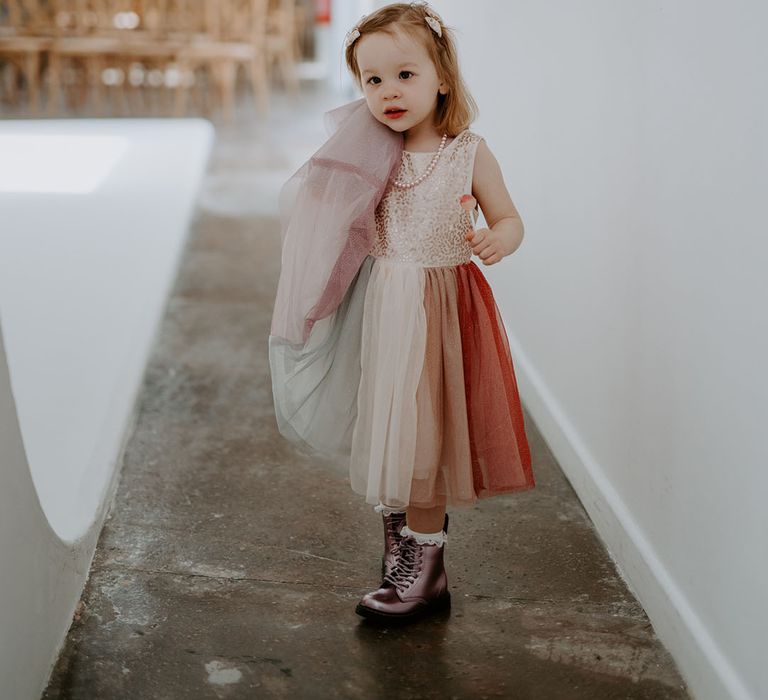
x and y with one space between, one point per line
701 662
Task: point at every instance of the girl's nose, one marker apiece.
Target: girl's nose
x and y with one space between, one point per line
391 92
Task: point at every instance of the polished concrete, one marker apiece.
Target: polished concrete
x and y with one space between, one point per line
230 565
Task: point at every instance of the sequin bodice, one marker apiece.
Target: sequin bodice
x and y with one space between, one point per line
426 224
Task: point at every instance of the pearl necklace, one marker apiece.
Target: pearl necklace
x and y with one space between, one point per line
430 168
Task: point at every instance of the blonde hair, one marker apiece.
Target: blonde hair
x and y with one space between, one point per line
456 110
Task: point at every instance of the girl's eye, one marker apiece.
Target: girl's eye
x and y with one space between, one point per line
376 77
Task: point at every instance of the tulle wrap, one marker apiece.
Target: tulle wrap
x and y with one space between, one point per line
327 217
328 226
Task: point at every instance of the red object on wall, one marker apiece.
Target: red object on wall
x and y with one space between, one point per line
322 11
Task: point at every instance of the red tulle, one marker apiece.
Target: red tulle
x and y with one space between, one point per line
501 457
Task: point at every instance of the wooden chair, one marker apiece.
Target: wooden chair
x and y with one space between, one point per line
130 37
282 41
164 28
20 51
235 37
82 45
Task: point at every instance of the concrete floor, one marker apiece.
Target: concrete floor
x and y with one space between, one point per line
230 565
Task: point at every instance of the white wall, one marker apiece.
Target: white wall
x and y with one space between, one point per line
94 218
632 136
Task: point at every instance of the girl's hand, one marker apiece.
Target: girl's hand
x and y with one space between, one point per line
487 245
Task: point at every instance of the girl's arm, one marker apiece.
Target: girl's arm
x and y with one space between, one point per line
505 232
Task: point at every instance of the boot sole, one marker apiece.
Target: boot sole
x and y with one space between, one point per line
440 604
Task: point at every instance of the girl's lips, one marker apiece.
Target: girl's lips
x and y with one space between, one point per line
395 115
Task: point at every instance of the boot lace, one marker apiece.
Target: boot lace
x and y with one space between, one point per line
407 569
394 524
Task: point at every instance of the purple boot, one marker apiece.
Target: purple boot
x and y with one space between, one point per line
416 585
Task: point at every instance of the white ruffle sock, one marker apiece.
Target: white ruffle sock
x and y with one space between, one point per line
386 510
439 538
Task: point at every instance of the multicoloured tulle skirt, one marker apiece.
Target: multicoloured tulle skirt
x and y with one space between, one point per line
411 382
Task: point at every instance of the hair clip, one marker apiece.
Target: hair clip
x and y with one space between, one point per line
435 24
432 19
353 33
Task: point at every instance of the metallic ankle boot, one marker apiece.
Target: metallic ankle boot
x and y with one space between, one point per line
392 525
416 585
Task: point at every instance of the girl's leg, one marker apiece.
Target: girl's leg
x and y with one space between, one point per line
425 519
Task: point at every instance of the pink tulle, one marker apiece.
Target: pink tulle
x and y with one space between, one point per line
327 215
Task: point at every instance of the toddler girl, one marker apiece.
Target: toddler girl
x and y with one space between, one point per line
387 349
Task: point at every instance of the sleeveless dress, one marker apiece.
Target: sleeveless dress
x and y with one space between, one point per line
438 419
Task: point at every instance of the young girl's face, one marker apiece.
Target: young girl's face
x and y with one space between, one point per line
397 72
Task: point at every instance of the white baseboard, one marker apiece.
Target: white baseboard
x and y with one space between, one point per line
701 662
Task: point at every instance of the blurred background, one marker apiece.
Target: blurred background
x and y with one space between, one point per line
139 58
